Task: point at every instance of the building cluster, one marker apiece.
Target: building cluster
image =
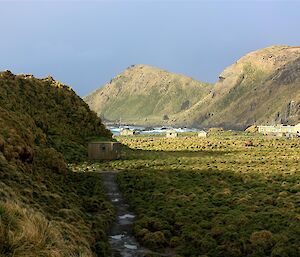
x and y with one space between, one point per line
112 150
103 150
280 130
171 133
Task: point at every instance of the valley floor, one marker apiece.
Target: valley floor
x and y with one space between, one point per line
212 196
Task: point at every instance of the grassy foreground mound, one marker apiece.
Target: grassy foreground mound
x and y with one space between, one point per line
46 210
214 196
60 118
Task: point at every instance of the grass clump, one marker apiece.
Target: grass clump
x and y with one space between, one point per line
27 233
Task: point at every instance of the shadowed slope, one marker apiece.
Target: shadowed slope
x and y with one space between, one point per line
46 210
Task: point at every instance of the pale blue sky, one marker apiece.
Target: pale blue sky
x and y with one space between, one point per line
86 43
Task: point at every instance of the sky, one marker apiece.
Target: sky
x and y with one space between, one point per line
86 43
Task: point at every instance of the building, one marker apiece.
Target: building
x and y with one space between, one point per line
279 130
104 150
292 135
171 134
127 132
202 133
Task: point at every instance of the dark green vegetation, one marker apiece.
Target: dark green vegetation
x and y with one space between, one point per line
46 210
59 117
214 196
261 87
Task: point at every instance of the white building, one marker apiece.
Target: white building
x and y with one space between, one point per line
202 133
171 134
127 132
279 129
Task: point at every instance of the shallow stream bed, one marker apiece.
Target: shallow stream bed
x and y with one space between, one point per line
121 238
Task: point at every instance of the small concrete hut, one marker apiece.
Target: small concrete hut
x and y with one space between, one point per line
104 150
171 133
202 133
127 132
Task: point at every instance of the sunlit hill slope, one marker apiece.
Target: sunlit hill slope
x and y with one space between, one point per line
146 95
262 87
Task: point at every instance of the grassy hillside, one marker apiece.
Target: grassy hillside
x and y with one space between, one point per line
146 95
61 119
46 210
262 87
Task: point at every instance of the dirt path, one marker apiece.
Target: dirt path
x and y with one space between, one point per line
121 237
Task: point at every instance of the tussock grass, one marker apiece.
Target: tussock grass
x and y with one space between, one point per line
24 233
46 210
213 196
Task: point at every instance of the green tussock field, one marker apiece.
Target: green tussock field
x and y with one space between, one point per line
213 196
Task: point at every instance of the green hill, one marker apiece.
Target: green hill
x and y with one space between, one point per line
46 210
261 87
146 95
